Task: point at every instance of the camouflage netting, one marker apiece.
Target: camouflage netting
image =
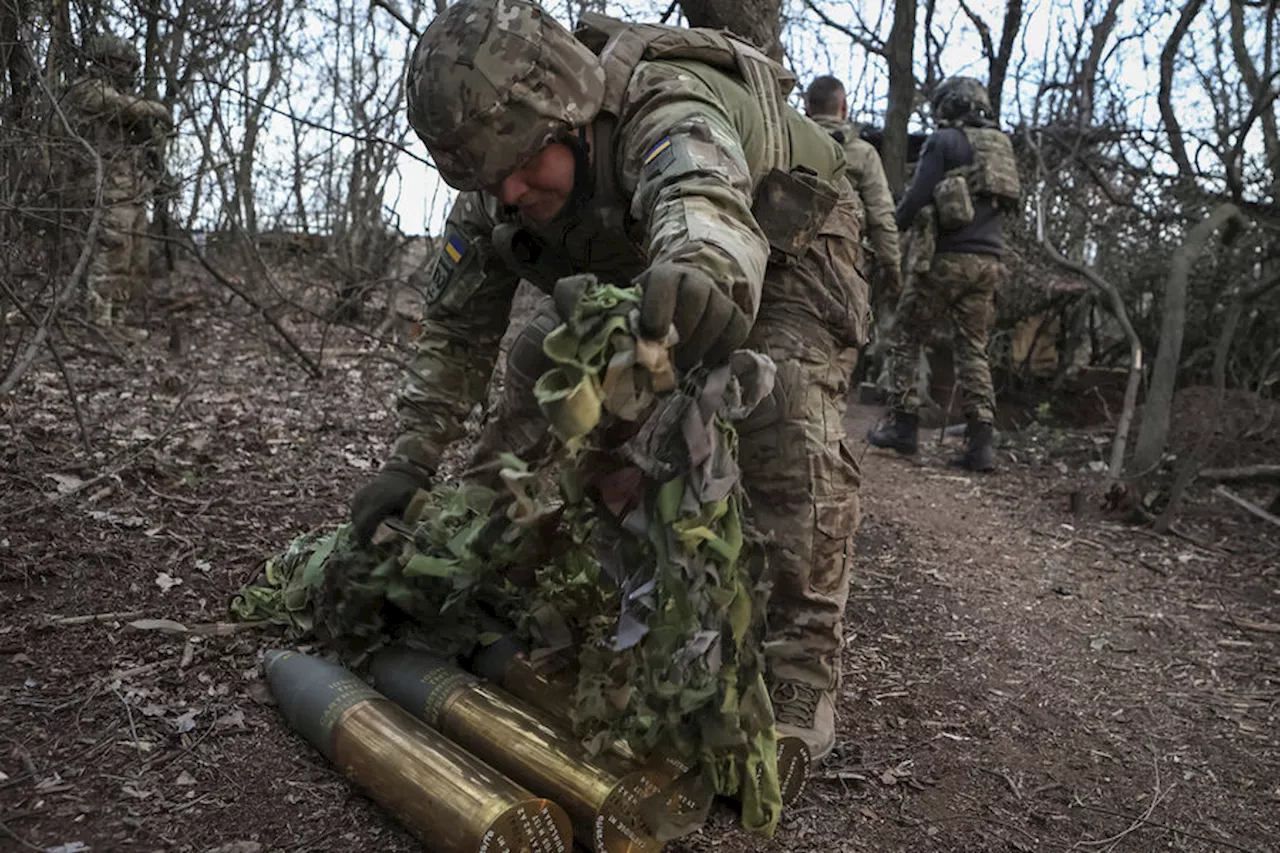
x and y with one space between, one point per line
626 550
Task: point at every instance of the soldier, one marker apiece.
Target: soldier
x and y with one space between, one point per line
826 103
965 184
644 165
121 126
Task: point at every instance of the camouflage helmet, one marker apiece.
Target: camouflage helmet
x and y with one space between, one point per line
492 82
956 97
109 47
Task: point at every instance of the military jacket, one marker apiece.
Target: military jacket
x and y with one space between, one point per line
675 169
866 173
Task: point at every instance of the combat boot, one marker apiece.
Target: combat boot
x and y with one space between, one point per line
899 431
978 453
806 712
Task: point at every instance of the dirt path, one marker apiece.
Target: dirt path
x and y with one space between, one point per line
1017 678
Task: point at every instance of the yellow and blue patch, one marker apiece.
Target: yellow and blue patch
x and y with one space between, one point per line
448 262
455 248
654 152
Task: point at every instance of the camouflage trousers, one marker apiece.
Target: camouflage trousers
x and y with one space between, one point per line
963 286
118 262
802 486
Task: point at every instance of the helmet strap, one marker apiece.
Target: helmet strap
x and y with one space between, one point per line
583 180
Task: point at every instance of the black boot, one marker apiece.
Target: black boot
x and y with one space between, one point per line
899 431
978 453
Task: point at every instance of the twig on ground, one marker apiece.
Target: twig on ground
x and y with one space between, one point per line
1178 829
133 729
1250 625
113 616
1249 506
1000 774
1243 474
26 845
1137 823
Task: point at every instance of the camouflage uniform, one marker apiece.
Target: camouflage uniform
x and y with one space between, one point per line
119 125
963 287
954 265
679 150
866 173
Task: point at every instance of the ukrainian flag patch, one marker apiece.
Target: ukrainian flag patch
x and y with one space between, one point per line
455 248
653 153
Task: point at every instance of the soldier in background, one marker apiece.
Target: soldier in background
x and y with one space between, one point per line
827 104
629 155
122 127
964 185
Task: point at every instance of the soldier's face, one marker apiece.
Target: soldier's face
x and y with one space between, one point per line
541 187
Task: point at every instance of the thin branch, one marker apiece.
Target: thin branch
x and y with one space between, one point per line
862 41
1177 147
395 13
307 361
23 364
72 395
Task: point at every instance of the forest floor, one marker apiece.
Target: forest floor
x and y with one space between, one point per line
1018 676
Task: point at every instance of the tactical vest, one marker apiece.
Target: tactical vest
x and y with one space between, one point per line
796 180
993 174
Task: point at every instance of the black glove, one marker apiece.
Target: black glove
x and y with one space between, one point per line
388 495
710 324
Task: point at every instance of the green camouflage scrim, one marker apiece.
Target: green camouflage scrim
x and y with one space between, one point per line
866 173
962 286
120 126
636 562
516 80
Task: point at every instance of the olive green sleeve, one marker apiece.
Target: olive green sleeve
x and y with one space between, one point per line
97 99
468 294
683 162
873 187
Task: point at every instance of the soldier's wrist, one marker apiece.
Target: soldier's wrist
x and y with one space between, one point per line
404 467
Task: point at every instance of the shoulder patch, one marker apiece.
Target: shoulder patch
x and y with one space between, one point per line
659 156
452 251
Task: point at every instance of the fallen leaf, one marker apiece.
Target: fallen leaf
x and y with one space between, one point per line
66 482
888 777
22 658
160 624
166 581
69 847
186 722
154 710
184 778
131 790
231 720
118 520
203 566
238 847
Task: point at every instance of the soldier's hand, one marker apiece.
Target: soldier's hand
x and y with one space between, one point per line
387 496
710 324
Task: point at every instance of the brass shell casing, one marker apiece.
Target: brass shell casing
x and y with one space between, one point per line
602 795
451 800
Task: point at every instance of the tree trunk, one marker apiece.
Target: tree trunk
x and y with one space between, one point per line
757 21
899 51
1158 410
999 63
